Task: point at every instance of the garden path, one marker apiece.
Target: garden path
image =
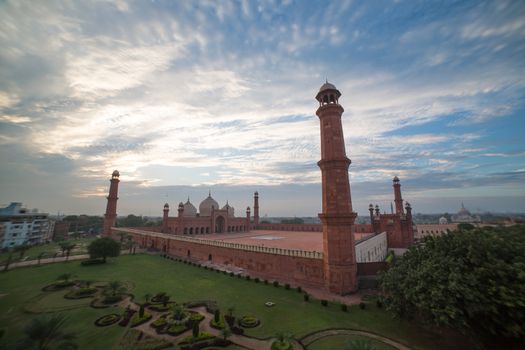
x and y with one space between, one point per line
307 340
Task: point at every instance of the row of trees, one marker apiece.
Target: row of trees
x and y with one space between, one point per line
470 280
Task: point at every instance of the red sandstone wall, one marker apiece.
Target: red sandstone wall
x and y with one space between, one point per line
306 272
291 227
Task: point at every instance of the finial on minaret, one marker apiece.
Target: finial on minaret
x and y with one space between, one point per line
209 192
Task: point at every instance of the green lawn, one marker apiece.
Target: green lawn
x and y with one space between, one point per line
49 250
21 297
341 342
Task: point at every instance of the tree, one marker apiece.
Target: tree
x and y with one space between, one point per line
46 332
178 312
8 261
226 333
195 330
66 248
147 297
217 315
40 256
103 247
473 281
465 226
63 246
21 249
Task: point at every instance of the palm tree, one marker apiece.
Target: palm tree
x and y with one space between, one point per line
63 246
45 333
115 287
40 256
8 261
69 247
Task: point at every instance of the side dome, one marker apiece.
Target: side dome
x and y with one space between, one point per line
189 209
206 204
229 209
327 86
443 220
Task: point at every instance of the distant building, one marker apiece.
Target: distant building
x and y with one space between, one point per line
20 226
464 216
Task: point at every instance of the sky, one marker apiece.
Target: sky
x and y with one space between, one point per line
183 97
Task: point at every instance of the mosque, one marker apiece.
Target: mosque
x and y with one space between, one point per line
330 256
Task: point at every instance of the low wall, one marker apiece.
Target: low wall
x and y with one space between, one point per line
297 267
291 227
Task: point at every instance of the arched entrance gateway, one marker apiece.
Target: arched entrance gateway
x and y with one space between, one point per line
219 224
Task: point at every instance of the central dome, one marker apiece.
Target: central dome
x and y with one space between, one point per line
206 204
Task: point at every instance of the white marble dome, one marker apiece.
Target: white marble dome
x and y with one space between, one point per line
230 209
443 220
206 204
189 209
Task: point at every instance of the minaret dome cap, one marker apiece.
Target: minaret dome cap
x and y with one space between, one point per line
115 173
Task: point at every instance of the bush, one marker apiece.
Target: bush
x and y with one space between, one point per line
136 320
265 281
90 262
177 329
217 315
127 317
324 302
287 286
248 277
107 320
159 322
362 305
275 284
299 289
281 345
231 274
218 324
306 297
248 322
257 280
344 307
379 303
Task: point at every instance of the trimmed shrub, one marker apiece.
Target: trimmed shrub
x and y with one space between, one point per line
299 289
136 320
265 281
281 345
257 280
158 298
231 274
306 297
324 302
126 318
362 305
249 322
379 303
159 322
217 315
344 307
90 262
237 330
107 320
287 286
177 329
248 277
275 284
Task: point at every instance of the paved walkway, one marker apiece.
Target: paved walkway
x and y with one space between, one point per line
47 261
309 339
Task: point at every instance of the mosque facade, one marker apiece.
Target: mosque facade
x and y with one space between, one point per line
329 256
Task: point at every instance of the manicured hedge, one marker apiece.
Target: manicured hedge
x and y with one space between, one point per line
136 320
107 320
249 321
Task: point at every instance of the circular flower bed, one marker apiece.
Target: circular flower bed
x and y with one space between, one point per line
107 320
282 345
249 322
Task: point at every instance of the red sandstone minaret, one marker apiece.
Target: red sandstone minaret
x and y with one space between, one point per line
248 219
111 209
165 216
397 196
256 208
340 269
